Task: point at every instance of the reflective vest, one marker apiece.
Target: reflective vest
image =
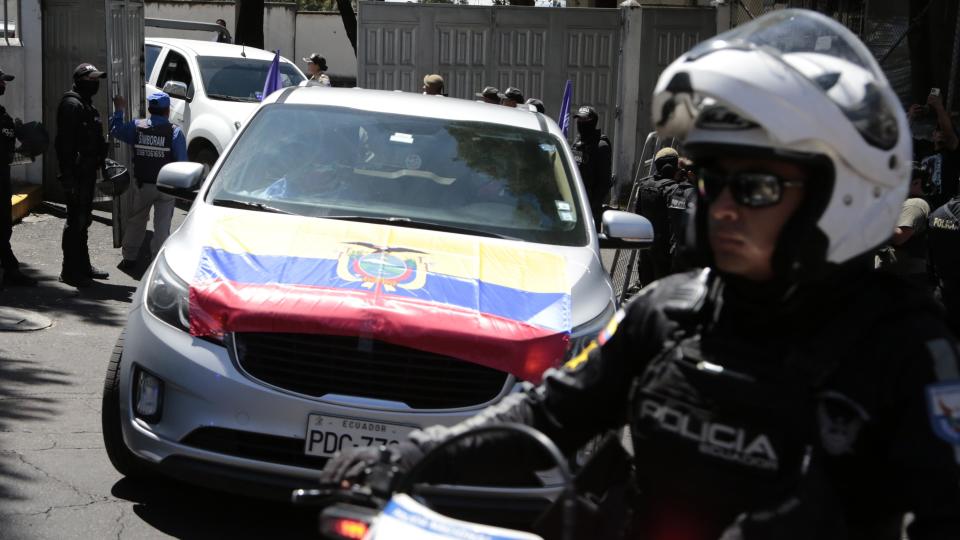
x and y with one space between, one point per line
152 150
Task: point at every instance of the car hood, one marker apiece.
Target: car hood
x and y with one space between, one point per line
504 304
234 111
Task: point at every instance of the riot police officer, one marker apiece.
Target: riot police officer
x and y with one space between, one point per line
787 390
594 159
81 150
12 275
155 143
943 239
681 198
654 204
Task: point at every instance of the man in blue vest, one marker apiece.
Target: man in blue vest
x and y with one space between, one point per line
155 143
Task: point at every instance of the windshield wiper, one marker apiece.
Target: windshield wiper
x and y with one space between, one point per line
224 97
428 225
249 205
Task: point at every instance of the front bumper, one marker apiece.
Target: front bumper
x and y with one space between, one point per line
219 423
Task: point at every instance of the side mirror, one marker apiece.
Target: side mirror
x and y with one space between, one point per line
625 230
175 89
181 179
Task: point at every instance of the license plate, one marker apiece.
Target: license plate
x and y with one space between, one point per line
326 435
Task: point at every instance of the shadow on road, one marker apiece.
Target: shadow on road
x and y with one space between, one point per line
187 512
51 298
18 404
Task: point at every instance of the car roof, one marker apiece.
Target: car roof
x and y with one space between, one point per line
212 48
415 104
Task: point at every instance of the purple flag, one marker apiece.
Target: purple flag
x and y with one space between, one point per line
272 83
564 117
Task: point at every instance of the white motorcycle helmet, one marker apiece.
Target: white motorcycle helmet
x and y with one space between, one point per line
797 86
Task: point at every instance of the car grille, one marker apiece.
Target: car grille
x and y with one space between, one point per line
317 365
269 448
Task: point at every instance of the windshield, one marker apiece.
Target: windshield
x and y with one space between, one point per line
241 79
472 177
831 57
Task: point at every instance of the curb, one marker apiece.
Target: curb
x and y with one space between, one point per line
26 197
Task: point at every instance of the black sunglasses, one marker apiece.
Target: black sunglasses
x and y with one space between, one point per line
750 189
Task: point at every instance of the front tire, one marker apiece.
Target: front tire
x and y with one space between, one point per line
123 460
208 157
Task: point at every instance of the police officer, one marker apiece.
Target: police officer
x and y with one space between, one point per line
680 199
788 390
155 142
594 159
317 68
943 237
12 275
81 150
654 204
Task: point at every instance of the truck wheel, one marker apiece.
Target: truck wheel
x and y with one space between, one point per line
123 460
208 157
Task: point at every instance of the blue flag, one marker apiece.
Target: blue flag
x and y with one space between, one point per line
272 83
564 117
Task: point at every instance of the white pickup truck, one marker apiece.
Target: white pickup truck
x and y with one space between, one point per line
214 87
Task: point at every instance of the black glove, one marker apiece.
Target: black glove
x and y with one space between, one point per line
355 464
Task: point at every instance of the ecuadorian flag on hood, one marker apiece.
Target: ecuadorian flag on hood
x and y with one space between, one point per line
488 302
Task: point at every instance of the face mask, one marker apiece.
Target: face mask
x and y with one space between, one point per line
86 87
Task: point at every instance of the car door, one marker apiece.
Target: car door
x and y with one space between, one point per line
176 68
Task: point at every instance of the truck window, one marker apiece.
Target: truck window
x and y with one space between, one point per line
175 68
151 53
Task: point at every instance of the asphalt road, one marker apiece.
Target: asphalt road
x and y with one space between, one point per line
55 478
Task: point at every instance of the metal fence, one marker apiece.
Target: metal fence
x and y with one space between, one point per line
850 13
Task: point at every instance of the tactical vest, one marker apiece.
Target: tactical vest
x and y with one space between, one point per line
152 150
91 147
943 237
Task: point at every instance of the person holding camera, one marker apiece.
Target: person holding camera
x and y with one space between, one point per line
944 162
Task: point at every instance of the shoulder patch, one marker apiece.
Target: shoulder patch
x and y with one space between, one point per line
604 336
943 403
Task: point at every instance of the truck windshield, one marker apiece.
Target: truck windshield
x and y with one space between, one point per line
241 79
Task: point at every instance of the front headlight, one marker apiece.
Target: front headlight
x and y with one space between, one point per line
582 335
168 296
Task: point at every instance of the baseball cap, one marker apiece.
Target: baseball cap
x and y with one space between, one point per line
587 113
315 58
536 104
5 76
489 92
158 100
433 80
512 93
84 70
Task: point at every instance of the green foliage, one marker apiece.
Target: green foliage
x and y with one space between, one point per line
317 5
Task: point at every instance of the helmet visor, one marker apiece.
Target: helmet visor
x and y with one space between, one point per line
828 55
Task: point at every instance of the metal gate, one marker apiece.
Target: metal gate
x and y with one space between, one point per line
534 49
108 34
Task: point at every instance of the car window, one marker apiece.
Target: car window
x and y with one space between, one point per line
150 55
241 79
331 161
175 68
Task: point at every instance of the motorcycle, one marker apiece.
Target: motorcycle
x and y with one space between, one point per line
383 508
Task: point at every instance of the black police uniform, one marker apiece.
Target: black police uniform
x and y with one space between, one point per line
81 150
654 205
7 144
680 198
595 161
760 417
943 239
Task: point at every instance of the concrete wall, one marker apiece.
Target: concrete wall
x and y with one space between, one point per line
322 32
295 34
23 59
